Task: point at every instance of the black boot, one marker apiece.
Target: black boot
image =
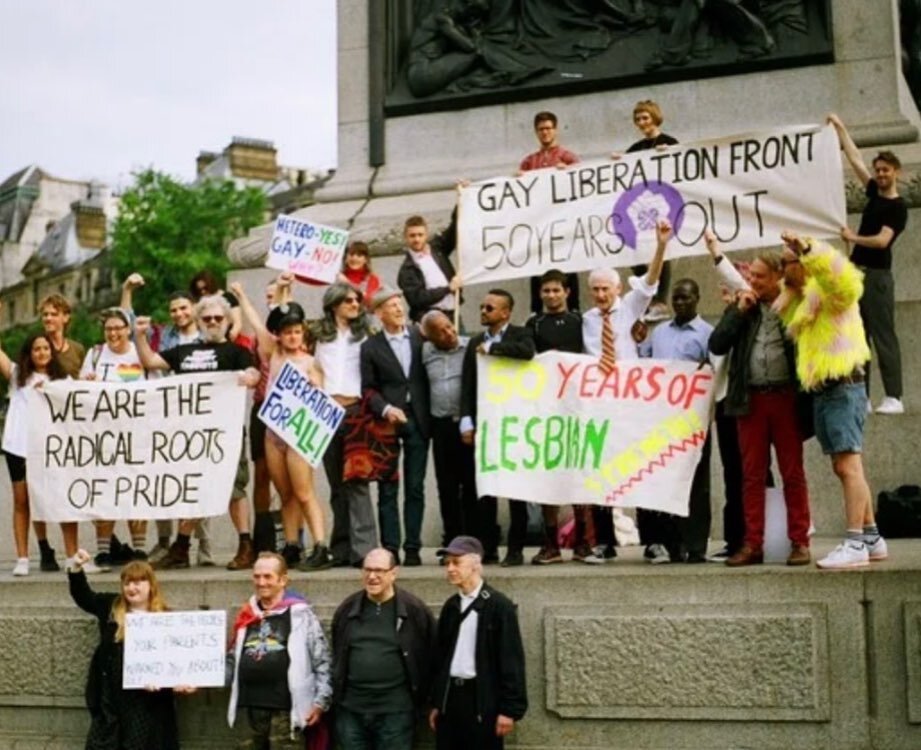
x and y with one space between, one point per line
264 533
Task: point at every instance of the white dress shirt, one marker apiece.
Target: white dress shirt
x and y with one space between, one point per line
340 361
402 348
463 663
434 277
623 313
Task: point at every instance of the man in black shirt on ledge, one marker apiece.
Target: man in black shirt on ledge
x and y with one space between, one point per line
383 645
883 220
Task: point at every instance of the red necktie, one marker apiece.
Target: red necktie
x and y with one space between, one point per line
607 342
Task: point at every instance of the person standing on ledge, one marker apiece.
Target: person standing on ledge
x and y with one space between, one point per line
479 689
498 339
648 119
819 307
550 154
883 220
427 277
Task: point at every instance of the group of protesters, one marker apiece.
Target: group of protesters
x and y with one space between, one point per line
794 335
389 661
790 356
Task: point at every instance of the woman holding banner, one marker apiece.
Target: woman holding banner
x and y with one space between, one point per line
36 364
116 360
123 719
285 341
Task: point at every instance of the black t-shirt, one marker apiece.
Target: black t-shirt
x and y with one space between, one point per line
376 680
880 212
205 357
647 143
561 332
264 661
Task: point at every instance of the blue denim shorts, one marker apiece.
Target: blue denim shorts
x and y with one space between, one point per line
839 414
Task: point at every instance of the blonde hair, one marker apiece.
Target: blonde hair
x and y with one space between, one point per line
651 108
136 570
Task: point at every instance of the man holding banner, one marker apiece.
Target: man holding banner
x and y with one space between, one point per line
427 276
762 394
606 334
883 220
500 339
213 354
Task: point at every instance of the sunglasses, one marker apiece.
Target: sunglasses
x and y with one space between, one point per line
212 318
350 300
487 308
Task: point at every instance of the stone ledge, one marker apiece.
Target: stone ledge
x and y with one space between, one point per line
774 662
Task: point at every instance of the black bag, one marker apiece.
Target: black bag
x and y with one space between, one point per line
898 513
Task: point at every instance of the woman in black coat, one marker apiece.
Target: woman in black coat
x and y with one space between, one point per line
123 719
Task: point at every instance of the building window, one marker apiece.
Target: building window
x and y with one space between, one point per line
12 311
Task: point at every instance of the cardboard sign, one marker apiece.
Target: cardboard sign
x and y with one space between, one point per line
313 251
166 649
304 416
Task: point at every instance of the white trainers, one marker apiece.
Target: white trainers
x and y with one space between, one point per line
849 554
21 568
890 405
879 550
204 558
656 554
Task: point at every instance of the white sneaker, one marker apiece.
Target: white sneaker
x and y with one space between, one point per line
657 554
21 568
91 568
849 554
890 405
157 553
204 558
879 550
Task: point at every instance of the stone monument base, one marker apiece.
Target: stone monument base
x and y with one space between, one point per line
626 656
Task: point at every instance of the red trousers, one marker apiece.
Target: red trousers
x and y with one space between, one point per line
772 420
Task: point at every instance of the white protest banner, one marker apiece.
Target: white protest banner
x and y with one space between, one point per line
313 251
165 448
557 430
746 189
166 649
301 414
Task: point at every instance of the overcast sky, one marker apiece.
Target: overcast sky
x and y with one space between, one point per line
100 88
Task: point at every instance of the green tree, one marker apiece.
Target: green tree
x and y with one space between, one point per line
168 231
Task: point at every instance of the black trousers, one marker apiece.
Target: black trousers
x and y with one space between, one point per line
877 310
682 535
459 727
454 476
489 529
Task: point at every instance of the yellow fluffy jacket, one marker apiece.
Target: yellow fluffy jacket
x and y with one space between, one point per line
823 318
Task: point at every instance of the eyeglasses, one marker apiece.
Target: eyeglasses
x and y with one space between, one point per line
487 308
376 571
212 318
114 329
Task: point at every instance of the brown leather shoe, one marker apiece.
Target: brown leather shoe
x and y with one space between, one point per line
245 557
746 556
799 555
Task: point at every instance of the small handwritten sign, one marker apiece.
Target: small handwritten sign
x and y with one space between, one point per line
166 649
301 414
310 250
